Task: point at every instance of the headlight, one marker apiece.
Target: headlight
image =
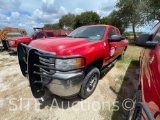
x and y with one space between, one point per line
68 64
12 42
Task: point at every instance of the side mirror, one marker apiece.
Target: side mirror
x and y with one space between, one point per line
144 40
115 38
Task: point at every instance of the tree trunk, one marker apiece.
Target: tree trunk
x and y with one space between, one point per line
134 33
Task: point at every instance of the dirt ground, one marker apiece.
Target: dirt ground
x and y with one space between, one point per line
17 102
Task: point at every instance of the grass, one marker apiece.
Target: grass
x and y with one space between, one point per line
125 82
131 56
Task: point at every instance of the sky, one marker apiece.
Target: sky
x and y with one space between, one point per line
27 14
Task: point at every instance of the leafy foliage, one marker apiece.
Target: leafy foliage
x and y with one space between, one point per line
115 19
86 18
131 13
151 9
51 26
67 21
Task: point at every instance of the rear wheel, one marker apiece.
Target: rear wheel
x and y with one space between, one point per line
90 82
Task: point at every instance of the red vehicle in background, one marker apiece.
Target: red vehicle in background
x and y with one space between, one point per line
72 65
148 98
38 34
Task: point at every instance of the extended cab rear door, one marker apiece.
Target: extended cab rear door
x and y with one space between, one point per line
115 47
50 34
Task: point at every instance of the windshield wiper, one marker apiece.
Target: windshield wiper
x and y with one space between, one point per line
81 37
70 36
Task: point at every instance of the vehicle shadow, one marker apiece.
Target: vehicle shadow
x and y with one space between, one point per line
126 92
52 101
12 53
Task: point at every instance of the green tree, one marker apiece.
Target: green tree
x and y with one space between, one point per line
115 19
105 20
67 21
130 12
150 9
86 18
51 26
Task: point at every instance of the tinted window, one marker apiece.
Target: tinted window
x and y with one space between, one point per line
111 32
40 35
157 36
50 34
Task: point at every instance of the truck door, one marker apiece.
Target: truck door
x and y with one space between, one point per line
50 34
114 46
121 45
39 35
151 74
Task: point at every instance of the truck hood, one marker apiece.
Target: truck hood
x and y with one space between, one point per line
19 38
58 44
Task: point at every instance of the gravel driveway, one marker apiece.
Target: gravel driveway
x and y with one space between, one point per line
17 102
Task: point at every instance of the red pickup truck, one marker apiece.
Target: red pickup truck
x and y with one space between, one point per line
12 43
148 98
71 66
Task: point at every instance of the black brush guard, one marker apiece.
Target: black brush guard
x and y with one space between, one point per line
5 44
30 61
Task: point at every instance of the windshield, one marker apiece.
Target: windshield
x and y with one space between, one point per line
14 34
92 33
32 34
155 28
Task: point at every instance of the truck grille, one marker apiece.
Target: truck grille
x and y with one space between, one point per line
48 62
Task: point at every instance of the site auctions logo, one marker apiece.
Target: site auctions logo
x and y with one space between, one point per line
128 104
19 104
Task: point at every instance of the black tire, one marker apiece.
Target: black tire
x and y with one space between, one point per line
90 82
137 98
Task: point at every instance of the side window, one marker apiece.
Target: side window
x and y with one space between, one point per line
157 36
117 32
50 34
40 35
111 32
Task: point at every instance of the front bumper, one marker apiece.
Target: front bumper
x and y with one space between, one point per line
41 72
68 84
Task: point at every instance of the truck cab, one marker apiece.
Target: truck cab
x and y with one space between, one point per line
72 65
40 33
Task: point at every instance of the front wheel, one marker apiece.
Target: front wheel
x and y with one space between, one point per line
90 82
